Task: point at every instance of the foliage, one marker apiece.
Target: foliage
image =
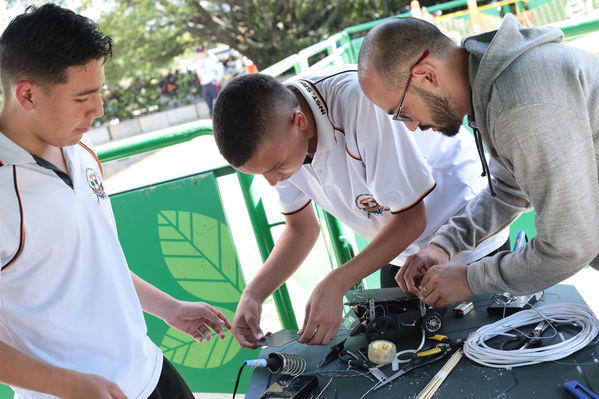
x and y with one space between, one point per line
148 34
151 94
144 40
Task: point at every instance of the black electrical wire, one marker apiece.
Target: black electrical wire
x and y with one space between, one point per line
238 378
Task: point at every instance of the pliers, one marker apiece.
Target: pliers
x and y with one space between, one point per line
425 357
445 344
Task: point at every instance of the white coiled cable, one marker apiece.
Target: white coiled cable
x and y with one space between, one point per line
579 315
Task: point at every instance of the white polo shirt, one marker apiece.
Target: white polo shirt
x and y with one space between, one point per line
368 167
66 294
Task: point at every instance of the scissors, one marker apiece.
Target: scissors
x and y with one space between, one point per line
355 363
523 341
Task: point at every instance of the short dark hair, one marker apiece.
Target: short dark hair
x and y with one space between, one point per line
244 113
396 43
41 43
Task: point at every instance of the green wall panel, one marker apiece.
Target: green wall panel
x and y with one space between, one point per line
175 236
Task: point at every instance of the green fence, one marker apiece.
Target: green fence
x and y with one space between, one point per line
344 47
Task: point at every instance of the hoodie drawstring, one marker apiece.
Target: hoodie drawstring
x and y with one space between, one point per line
481 152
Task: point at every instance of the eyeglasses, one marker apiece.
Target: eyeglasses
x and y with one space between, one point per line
398 116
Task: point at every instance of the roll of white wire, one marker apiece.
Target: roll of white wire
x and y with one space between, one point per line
476 349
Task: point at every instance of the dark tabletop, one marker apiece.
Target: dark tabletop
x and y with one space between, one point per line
467 380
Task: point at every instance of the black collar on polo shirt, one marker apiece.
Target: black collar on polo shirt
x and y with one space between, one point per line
309 158
49 165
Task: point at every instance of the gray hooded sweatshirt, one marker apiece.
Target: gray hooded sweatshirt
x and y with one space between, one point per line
536 104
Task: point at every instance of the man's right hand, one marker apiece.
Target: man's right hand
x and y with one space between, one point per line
410 274
82 385
246 324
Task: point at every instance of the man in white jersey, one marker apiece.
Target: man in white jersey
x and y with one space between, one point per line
71 319
319 138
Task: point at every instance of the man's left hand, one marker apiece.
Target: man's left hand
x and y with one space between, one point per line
198 319
445 284
323 313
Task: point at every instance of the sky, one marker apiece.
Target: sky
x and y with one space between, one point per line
7 14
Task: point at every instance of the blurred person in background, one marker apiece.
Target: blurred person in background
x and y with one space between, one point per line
210 72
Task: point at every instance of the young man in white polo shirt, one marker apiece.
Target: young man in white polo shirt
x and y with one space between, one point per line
71 322
319 138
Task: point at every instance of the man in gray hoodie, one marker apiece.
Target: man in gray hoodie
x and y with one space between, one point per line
534 103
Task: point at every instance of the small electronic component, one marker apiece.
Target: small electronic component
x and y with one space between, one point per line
507 304
463 308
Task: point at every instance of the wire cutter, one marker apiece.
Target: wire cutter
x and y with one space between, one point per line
425 357
445 345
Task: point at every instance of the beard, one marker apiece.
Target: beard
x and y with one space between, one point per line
447 120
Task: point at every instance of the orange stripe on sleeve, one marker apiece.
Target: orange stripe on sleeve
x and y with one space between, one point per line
427 192
298 209
22 242
95 157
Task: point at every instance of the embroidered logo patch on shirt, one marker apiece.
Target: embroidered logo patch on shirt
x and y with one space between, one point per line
95 183
367 203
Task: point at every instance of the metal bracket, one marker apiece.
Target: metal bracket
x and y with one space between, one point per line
371 309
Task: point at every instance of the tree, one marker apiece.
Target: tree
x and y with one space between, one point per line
148 34
266 31
144 40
